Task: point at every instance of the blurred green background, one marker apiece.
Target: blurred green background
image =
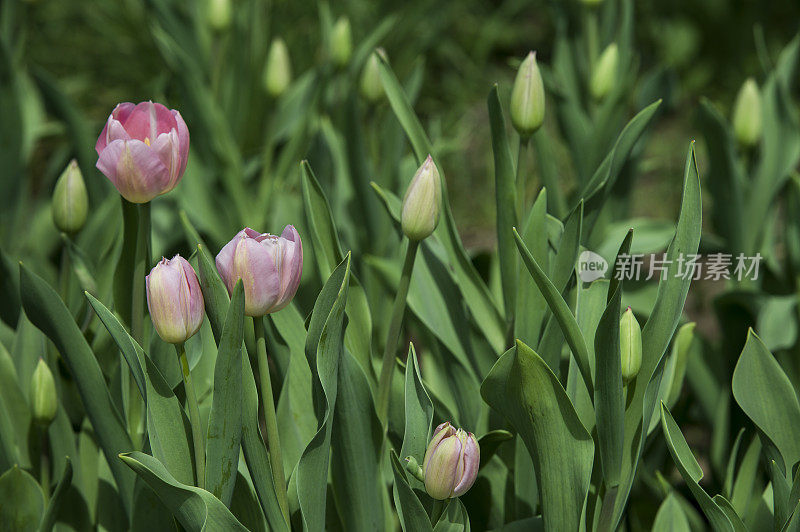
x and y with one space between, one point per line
101 52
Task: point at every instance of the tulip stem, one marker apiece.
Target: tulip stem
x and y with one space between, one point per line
270 419
142 260
387 365
194 418
521 179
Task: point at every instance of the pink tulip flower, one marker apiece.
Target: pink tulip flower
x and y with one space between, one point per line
175 300
143 150
451 462
269 266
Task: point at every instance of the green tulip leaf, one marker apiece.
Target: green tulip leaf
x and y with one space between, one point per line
413 517
670 517
526 392
195 509
57 499
225 420
21 501
324 347
765 394
561 312
48 313
720 514
418 410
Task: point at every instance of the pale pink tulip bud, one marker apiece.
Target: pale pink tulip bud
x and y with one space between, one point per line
269 267
175 300
451 462
143 150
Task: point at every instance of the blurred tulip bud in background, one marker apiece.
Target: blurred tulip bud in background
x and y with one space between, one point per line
278 71
527 98
143 150
371 85
630 345
219 14
422 202
175 300
592 3
605 72
70 201
747 122
269 267
341 42
451 462
44 399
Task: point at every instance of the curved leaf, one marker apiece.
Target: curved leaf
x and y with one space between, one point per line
21 501
195 509
522 388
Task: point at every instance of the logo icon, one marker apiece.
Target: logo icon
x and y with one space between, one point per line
591 266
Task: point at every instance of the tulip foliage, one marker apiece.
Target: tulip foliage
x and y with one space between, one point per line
240 385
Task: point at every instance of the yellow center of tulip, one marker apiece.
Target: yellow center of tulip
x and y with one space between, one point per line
147 140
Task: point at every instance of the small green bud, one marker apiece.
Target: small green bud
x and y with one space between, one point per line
605 72
44 400
630 345
219 14
413 467
278 71
747 123
70 201
341 42
371 85
421 203
527 98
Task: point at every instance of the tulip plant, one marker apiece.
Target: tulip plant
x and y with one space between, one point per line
364 370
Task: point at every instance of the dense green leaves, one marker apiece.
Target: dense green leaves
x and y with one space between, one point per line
21 501
528 394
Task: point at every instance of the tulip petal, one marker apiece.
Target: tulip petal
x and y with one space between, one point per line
224 260
166 145
183 141
255 263
164 301
134 168
471 459
291 265
148 120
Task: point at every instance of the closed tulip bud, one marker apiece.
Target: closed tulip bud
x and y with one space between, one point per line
527 98
219 14
630 345
451 462
269 267
747 124
175 300
70 201
341 42
421 204
371 85
605 72
143 150
278 71
44 399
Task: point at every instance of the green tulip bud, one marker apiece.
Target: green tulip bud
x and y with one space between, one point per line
630 345
413 467
341 42
421 203
278 71
70 201
747 124
219 14
527 98
44 400
605 72
371 85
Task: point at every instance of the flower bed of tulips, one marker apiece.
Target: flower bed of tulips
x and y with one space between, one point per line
361 369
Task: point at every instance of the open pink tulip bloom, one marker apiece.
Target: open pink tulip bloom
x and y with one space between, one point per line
174 300
269 267
143 150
